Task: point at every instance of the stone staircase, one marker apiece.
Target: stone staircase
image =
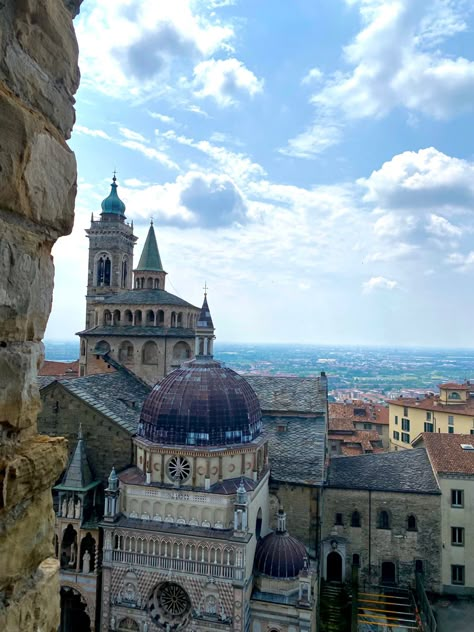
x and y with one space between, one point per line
334 608
387 610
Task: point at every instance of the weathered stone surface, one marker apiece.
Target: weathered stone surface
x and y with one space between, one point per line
19 395
38 59
26 537
26 270
33 155
34 604
36 466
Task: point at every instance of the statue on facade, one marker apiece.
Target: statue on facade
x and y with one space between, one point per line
72 560
86 562
77 509
70 508
112 623
64 508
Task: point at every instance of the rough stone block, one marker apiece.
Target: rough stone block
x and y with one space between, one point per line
19 395
26 268
33 604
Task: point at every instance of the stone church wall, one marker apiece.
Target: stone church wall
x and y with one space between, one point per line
38 76
396 544
107 443
300 503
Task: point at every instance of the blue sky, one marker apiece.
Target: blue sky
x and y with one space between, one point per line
313 162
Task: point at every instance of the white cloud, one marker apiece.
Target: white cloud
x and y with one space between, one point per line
225 80
132 135
462 262
98 133
312 76
313 141
150 152
164 118
379 283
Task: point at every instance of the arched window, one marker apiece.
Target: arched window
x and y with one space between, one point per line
116 318
258 524
157 284
149 283
124 272
411 523
173 319
102 347
128 625
454 395
355 559
384 520
128 317
179 320
107 271
355 519
181 351
138 317
150 353
126 351
107 318
137 284
83 347
160 318
150 317
87 554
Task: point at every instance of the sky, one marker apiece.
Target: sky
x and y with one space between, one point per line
312 162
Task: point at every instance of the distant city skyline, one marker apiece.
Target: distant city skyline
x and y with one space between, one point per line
309 162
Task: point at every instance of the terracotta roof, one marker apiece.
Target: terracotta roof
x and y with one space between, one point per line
433 403
457 387
340 424
59 369
362 438
446 453
359 411
351 450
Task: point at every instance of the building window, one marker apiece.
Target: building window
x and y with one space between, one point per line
454 395
457 536
472 431
355 559
450 420
338 519
457 574
355 519
457 498
428 416
405 411
396 435
406 425
411 523
384 520
367 426
405 437
451 430
396 420
428 426
418 566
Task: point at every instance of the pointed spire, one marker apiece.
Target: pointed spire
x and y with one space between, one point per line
78 473
150 260
205 319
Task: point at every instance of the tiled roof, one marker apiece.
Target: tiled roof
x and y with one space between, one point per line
446 453
298 395
340 424
78 473
402 471
150 258
145 297
296 454
137 330
457 387
359 411
363 440
434 404
112 394
59 369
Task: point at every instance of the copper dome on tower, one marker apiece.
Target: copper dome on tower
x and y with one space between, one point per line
202 403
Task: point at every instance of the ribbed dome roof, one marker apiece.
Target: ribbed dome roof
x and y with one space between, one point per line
280 555
112 203
202 403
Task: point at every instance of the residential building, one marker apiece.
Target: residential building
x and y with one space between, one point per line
452 411
357 427
452 459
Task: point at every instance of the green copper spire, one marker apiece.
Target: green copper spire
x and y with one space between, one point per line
112 203
150 260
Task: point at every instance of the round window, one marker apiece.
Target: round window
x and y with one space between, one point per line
179 469
169 606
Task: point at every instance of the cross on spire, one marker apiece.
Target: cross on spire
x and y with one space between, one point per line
205 288
115 173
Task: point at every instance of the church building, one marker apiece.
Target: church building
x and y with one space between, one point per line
130 317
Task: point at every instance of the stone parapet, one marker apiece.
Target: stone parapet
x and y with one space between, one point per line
38 78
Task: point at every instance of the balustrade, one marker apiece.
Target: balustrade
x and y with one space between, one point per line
175 564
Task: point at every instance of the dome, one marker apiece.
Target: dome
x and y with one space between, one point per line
280 555
112 203
202 403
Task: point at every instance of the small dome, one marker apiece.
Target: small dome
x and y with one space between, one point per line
280 555
202 403
112 203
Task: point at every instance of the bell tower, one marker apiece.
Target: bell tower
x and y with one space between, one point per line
111 242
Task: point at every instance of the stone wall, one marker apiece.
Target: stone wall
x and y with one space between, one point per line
107 444
301 504
375 545
38 77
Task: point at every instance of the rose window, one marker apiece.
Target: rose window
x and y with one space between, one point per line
179 468
170 606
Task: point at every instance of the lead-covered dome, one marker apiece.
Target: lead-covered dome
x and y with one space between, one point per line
113 204
279 554
202 403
